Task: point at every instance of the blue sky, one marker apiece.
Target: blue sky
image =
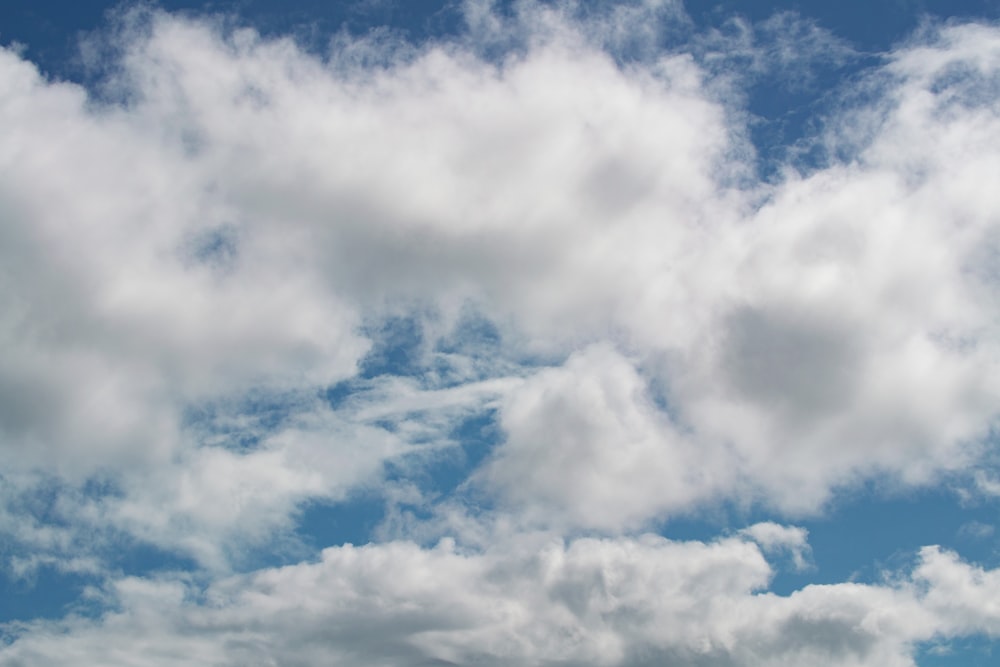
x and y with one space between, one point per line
529 333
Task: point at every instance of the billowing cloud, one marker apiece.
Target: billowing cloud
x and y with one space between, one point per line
200 257
642 601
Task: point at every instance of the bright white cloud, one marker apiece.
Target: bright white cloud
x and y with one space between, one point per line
535 601
773 537
249 204
586 446
672 335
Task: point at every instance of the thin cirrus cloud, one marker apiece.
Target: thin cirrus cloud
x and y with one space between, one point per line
200 261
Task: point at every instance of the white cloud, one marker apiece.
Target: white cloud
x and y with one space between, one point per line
533 601
841 330
773 537
230 227
587 446
109 327
673 335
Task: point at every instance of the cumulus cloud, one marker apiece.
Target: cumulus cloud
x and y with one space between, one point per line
227 225
843 327
556 463
231 225
639 601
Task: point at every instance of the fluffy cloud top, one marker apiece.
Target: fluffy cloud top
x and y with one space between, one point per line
643 601
230 223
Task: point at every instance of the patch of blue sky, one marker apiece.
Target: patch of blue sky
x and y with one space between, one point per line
416 345
443 471
240 424
965 652
50 31
45 574
477 436
448 443
869 26
323 524
439 472
397 348
790 91
472 331
472 350
47 594
32 583
865 533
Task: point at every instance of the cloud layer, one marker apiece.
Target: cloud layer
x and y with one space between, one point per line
644 601
200 266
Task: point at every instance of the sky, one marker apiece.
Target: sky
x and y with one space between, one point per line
524 333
